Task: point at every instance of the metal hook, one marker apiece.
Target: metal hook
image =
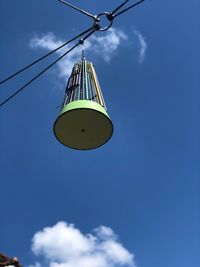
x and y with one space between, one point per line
81 42
109 15
96 18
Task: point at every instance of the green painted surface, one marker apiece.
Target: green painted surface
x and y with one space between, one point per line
83 104
83 125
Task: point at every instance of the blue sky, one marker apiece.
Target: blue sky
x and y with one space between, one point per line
144 183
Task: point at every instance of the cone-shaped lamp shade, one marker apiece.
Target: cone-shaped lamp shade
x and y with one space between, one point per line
83 122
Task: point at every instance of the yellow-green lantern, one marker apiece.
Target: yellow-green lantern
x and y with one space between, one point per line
83 122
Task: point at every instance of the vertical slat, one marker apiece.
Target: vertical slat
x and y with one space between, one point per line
102 98
79 82
96 85
86 80
92 93
91 85
82 82
68 97
74 85
104 104
95 94
71 93
66 94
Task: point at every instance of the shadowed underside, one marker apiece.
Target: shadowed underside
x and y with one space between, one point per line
83 125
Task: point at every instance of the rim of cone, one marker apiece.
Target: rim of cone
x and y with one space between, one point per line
83 125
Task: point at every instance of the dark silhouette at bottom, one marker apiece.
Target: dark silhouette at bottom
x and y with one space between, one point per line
6 261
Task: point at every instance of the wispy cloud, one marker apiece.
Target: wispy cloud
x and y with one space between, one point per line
143 45
104 46
63 245
37 264
107 45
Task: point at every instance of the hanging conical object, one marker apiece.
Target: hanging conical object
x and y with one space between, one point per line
83 122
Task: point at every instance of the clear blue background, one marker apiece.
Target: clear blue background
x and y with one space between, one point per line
144 183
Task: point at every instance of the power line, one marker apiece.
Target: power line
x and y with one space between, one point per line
126 9
120 6
43 57
95 27
43 71
110 15
78 9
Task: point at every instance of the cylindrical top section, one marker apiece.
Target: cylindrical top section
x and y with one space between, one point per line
83 84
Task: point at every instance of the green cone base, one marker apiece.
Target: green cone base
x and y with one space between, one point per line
83 125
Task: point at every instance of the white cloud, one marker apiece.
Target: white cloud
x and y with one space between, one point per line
116 253
37 264
105 46
65 236
104 232
143 45
63 245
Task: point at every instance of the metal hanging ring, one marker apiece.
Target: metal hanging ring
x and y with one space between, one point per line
109 18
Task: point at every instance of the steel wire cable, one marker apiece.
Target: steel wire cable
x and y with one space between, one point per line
61 46
43 57
126 9
44 70
120 6
96 27
78 9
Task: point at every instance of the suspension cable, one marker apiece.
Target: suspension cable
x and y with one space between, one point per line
95 27
43 57
120 6
95 18
43 71
126 9
78 9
